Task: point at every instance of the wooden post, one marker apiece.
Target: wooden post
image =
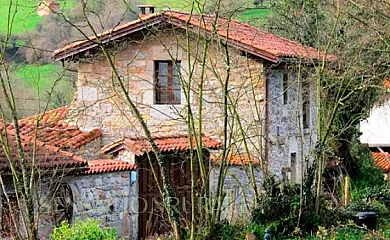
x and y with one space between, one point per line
346 190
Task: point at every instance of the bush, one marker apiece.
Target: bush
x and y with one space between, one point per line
279 206
380 194
256 229
364 172
226 231
83 230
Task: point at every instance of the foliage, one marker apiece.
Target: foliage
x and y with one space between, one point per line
226 231
372 206
165 236
279 208
83 230
297 20
256 229
380 194
364 173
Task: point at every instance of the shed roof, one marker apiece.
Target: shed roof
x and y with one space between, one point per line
140 145
235 159
53 137
53 130
381 159
237 34
108 165
41 155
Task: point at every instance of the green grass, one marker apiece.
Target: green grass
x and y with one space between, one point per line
252 14
182 5
38 77
23 15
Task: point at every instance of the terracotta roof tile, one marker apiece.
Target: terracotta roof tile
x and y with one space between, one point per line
240 35
45 156
139 146
53 130
381 161
108 165
51 157
235 160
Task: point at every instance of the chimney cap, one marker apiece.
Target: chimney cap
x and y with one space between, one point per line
146 6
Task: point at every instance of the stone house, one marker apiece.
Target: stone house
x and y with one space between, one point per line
158 55
171 64
154 59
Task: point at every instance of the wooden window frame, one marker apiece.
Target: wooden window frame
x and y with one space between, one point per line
170 89
143 10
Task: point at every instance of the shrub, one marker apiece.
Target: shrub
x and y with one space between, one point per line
380 194
256 229
83 230
279 206
226 231
364 172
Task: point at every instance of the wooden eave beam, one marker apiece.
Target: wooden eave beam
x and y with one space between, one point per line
107 38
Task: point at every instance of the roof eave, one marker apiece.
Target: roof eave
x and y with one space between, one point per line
158 19
63 55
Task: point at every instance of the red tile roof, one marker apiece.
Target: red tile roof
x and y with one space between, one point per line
54 136
108 165
53 130
381 161
235 160
386 83
45 157
139 146
240 35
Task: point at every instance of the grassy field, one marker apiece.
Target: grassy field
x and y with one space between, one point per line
255 17
252 14
184 5
38 77
23 15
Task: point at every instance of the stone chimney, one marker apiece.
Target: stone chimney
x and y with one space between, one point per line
145 10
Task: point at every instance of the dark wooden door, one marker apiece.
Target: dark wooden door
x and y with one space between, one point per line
153 218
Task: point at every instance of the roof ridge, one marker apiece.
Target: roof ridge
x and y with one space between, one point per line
256 41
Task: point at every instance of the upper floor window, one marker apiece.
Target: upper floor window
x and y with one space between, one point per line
167 88
285 88
306 104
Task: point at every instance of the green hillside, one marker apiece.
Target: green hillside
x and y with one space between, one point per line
23 15
39 77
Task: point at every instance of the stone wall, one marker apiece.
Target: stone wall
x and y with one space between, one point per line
105 197
43 207
100 106
89 151
286 133
239 198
